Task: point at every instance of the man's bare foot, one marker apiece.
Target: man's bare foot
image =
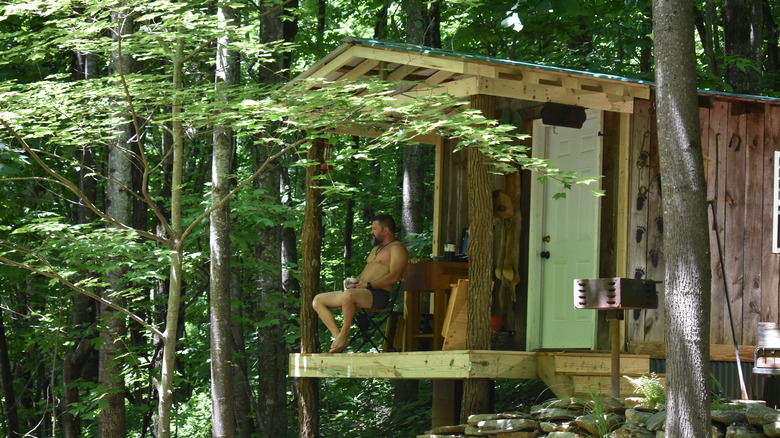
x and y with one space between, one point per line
339 344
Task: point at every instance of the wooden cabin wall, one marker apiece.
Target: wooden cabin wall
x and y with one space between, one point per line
645 228
738 139
454 209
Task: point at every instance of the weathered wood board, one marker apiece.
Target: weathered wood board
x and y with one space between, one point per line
456 364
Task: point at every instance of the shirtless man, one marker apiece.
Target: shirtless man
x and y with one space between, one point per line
384 268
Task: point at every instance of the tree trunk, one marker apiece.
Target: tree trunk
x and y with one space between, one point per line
272 382
72 368
687 303
119 205
419 31
381 21
7 383
83 312
707 27
245 421
480 255
414 199
176 246
311 242
772 48
222 395
272 350
743 32
290 283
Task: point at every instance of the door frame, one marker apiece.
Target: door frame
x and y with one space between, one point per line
535 224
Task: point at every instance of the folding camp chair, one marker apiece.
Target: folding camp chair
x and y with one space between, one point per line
376 327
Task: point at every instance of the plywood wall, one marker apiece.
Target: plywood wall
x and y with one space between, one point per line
738 139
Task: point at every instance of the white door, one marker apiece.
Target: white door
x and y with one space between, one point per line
564 239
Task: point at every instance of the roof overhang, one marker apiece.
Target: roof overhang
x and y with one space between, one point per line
422 70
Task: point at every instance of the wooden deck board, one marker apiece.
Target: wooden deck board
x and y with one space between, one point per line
456 364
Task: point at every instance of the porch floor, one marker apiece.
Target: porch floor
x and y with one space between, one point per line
566 373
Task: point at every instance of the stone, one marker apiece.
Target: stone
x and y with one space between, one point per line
526 434
634 416
547 427
639 403
594 424
759 415
632 431
513 415
728 417
449 430
507 425
562 435
549 414
568 403
535 409
476 418
611 404
475 431
772 430
743 432
656 422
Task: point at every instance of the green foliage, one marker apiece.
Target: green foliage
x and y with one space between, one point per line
651 387
519 395
594 405
356 408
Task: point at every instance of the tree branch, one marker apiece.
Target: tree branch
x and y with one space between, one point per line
227 197
75 190
55 275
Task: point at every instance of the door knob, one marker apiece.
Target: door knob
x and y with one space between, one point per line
545 254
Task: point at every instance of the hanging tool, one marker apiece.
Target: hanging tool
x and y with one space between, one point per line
743 391
728 303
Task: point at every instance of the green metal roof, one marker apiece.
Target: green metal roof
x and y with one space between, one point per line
470 56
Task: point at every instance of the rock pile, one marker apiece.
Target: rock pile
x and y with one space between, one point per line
608 417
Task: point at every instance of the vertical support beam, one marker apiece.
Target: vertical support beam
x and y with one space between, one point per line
438 185
445 404
615 335
623 207
623 212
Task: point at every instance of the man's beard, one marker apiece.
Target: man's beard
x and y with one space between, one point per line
377 241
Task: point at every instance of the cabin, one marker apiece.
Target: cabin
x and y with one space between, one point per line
595 124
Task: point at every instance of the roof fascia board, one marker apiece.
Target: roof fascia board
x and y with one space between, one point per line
548 93
526 66
428 61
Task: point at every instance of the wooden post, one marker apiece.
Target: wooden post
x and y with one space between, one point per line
614 317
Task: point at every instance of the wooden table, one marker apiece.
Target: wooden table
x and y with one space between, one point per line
429 276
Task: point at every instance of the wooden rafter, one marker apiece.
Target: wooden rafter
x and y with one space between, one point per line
433 73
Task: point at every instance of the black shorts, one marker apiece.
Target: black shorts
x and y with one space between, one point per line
380 298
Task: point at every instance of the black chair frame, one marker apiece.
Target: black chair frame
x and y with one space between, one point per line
371 321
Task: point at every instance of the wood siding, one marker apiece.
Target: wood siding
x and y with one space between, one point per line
738 139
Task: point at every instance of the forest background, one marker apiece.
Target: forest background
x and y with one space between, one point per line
135 300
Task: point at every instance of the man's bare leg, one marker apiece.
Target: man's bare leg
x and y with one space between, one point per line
322 304
352 299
